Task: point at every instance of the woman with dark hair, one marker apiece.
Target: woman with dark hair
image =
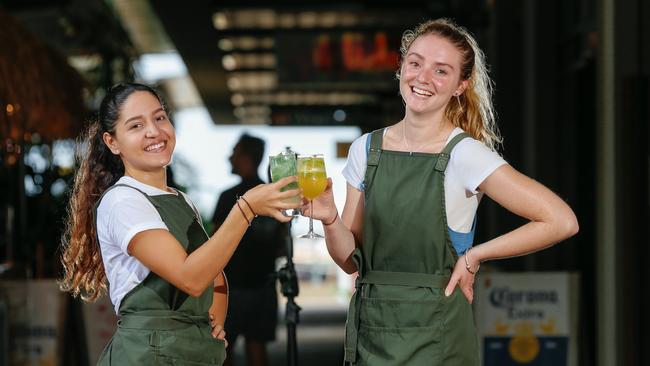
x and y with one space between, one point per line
410 212
128 228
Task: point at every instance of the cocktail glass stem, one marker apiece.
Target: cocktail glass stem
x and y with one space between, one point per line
311 217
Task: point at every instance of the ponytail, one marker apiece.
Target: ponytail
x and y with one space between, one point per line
99 169
82 261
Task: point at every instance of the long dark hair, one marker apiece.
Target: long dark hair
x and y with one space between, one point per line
99 169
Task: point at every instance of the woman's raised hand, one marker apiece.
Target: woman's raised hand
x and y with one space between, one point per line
324 206
268 200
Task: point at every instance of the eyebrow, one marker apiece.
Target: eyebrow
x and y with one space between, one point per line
422 58
140 115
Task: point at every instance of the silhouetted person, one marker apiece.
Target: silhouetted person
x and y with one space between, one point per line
253 303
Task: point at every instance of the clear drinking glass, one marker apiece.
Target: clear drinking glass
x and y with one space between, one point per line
284 165
313 181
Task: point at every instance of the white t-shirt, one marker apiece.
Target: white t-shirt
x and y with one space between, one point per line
122 213
469 164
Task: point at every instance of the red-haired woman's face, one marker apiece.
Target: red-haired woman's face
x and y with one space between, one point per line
430 74
144 136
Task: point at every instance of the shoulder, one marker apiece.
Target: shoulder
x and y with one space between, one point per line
355 167
470 151
360 144
471 162
121 194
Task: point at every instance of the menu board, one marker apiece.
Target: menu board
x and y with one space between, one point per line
368 57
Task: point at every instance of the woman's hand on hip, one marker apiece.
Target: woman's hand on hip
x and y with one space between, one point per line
217 330
463 278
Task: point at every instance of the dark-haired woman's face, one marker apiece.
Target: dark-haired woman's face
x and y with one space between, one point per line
430 74
144 136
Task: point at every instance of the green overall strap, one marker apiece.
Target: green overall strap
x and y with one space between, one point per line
405 279
374 155
441 166
443 159
352 330
161 320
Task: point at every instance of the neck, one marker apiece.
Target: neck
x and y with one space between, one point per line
249 177
156 178
422 129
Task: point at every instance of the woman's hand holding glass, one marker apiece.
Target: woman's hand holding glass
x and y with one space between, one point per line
269 200
324 208
284 165
312 179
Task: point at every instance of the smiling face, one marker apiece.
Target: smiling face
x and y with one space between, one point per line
430 75
144 136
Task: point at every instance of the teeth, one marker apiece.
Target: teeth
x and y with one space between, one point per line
421 91
156 146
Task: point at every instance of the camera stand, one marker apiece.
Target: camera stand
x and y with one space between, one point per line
289 287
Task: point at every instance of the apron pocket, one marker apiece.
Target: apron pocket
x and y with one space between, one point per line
187 348
408 346
128 347
401 314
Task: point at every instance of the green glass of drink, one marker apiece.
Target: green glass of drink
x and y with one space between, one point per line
284 165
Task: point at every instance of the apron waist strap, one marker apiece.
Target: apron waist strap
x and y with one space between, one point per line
405 279
161 320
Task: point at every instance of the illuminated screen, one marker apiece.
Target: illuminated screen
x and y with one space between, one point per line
335 57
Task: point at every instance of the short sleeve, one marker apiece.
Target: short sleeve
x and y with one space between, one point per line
473 162
355 167
123 213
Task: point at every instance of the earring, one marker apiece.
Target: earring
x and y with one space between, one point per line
458 100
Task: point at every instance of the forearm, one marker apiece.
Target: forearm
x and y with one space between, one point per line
529 238
203 265
219 307
340 245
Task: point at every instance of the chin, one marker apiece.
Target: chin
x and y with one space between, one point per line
168 161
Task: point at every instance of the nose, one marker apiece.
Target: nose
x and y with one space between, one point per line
152 129
425 75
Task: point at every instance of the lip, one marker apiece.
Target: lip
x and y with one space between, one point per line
162 147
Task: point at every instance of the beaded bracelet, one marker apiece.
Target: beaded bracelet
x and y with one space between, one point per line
467 266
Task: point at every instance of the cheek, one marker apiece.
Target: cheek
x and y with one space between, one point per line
444 84
171 137
169 131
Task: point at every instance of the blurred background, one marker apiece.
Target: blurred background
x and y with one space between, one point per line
573 103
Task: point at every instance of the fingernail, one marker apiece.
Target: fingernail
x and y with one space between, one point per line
447 292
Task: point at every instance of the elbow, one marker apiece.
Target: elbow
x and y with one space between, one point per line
347 265
194 292
569 227
192 289
575 227
349 270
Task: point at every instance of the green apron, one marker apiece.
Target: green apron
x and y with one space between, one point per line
399 314
160 324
